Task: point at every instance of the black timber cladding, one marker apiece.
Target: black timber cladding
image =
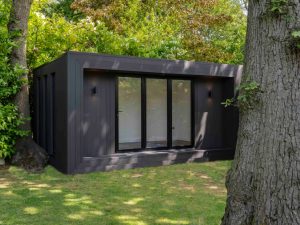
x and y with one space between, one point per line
68 98
56 94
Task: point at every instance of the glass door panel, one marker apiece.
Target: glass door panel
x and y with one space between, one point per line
181 112
156 113
129 109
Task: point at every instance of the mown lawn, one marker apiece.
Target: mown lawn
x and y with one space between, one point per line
178 194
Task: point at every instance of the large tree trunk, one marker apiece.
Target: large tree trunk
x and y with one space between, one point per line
264 181
28 154
17 27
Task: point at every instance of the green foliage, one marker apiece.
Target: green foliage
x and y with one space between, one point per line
247 96
9 86
228 102
62 8
9 129
156 29
279 6
296 38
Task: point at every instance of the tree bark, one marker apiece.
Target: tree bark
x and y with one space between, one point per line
17 27
28 155
264 181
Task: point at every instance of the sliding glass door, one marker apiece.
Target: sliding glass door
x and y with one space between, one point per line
181 113
129 113
154 113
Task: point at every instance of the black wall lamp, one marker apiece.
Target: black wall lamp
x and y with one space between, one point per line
210 93
94 90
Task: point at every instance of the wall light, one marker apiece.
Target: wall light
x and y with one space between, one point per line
94 90
210 93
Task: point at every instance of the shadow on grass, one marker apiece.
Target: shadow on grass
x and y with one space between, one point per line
178 194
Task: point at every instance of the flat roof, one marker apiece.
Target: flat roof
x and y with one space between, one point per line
96 61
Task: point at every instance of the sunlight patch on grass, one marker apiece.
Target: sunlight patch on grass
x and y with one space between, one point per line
31 210
76 217
70 195
96 213
77 201
9 193
170 221
55 191
136 210
127 219
40 185
187 187
27 182
133 201
5 184
137 175
84 214
213 187
136 185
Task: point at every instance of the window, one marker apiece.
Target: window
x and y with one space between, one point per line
156 113
129 113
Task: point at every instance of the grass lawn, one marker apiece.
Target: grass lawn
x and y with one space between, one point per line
178 194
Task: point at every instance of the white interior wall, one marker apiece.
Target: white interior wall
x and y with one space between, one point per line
156 109
181 110
129 109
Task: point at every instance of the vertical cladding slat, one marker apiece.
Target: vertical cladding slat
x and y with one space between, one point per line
230 115
71 101
78 102
105 111
42 112
113 116
60 120
111 113
50 111
75 76
47 113
53 113
36 108
195 110
200 104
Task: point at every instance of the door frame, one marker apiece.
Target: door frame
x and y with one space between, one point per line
143 93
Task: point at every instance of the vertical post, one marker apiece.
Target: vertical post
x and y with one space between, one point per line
143 111
169 113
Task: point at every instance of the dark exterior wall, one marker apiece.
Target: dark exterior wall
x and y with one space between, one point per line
230 115
214 124
98 117
50 111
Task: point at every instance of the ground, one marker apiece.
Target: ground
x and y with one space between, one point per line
179 194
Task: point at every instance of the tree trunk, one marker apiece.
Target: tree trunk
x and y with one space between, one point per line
17 27
264 181
28 155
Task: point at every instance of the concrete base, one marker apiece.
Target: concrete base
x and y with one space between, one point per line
151 158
